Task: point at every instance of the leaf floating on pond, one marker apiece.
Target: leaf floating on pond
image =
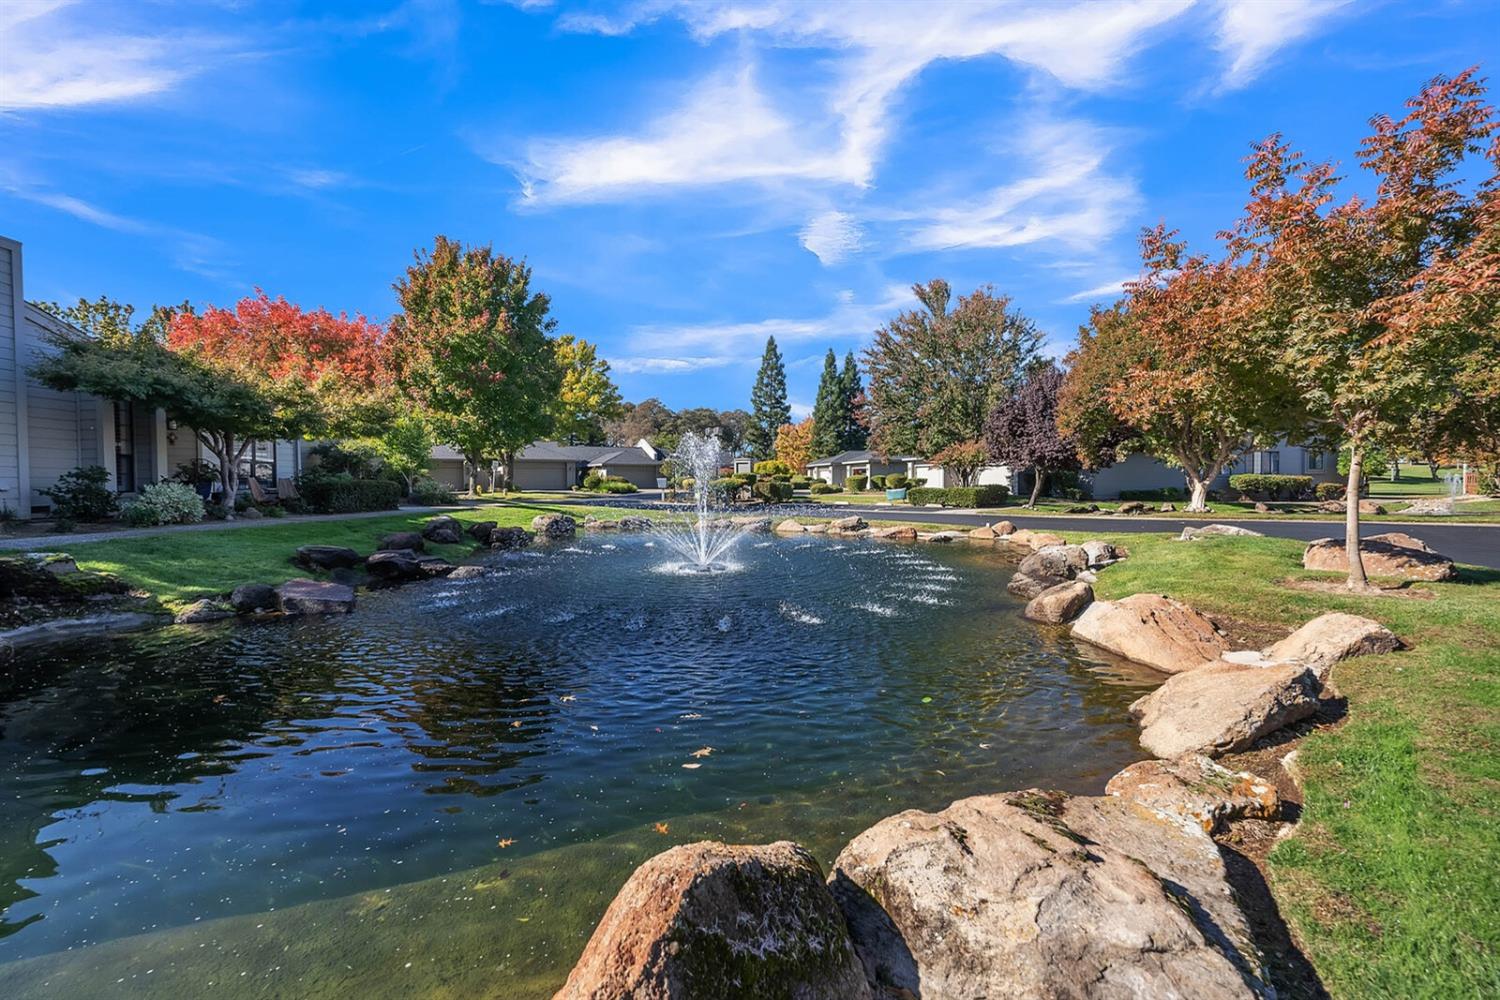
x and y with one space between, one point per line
568 697
702 752
692 767
504 842
660 828
927 700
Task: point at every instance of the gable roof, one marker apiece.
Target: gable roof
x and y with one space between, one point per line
848 457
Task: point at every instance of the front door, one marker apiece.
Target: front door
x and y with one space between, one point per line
124 447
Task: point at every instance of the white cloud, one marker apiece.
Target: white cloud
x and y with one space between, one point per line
1067 197
669 366
1252 31
800 411
1110 290
51 59
832 237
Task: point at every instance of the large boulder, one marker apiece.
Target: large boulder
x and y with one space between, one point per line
633 523
1001 896
1055 563
1033 540
1393 554
398 540
1330 638
1224 707
470 572
982 534
554 525
251 597
753 524
896 533
1001 528
847 525
509 538
1132 507
480 531
1061 603
592 523
1191 533
1097 553
1198 789
791 526
710 921
443 530
1152 629
208 609
327 557
400 565
314 597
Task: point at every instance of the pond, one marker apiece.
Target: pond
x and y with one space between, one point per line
439 794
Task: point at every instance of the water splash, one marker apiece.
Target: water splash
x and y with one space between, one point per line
703 541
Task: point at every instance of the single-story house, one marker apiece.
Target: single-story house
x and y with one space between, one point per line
546 465
836 469
45 433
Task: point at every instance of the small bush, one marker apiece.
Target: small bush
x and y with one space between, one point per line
343 494
819 487
64 525
748 477
771 491
896 481
1271 487
726 487
593 481
619 486
270 509
1165 493
165 503
858 482
82 494
877 482
687 483
215 512
431 493
991 495
1329 491
800 482
772 468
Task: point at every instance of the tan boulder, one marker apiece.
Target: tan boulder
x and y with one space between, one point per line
1224 707
1003 528
1152 629
1330 638
790 527
847 525
1061 603
1393 554
1033 539
816 528
1002 896
982 534
897 532
1198 789
1370 507
711 921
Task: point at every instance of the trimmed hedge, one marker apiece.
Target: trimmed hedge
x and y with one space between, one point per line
896 481
333 495
858 482
1272 487
772 491
1329 491
991 495
819 487
619 486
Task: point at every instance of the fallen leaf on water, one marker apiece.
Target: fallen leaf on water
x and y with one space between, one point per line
660 828
516 724
506 841
985 746
220 699
702 752
690 715
594 728
568 697
927 700
692 767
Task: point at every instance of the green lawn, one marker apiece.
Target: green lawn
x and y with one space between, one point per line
178 567
1392 882
1414 480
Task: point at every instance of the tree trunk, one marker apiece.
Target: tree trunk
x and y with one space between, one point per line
1357 578
1395 470
1037 477
508 479
1198 500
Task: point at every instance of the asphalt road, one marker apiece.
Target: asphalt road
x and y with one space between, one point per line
1478 544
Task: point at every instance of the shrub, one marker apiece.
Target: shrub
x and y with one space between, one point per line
801 482
819 487
991 495
593 481
1271 487
687 483
877 482
858 482
357 460
1165 493
619 486
64 525
197 473
343 494
748 478
82 494
165 503
215 511
771 491
1329 491
431 493
772 468
896 481
726 487
270 509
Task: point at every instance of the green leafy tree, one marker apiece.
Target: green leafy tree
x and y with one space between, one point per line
471 346
935 373
854 435
588 398
768 406
114 322
830 411
406 447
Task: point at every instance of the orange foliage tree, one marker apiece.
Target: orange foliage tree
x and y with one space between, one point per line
794 444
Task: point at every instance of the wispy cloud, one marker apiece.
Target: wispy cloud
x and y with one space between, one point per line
1251 32
670 366
56 55
1109 290
832 236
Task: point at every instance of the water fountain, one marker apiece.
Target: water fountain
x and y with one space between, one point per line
702 541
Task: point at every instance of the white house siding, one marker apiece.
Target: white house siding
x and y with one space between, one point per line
12 447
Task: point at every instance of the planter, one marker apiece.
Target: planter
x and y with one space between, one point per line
895 494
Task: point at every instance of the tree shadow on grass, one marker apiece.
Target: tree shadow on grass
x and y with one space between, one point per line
1288 968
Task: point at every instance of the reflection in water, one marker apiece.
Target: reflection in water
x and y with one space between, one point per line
377 761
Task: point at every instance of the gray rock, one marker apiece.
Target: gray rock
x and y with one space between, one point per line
554 525
1000 896
314 597
480 531
327 557
1027 587
755 525
510 538
31 638
208 609
399 565
633 523
56 563
468 572
710 921
1132 507
1097 553
251 514
401 540
1224 707
250 597
1191 533
1055 564
1061 603
1330 638
1197 789
847 525
443 530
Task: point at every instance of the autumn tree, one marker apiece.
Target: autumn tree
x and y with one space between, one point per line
831 416
935 373
1021 431
768 406
964 459
1344 303
588 398
1167 365
471 345
794 444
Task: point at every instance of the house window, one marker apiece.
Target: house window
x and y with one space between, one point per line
1270 462
124 447
259 461
1314 461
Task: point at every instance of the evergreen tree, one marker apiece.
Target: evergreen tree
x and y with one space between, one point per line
853 436
768 405
830 411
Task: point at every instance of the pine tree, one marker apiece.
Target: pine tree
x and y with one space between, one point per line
768 405
830 412
852 436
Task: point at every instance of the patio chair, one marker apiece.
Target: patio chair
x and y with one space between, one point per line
286 489
258 492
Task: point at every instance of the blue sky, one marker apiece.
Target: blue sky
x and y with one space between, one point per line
684 178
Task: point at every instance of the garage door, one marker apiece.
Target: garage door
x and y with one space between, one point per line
542 476
449 472
643 476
